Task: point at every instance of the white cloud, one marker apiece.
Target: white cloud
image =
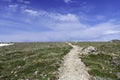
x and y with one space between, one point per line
32 12
71 33
69 27
67 1
13 7
67 17
102 30
27 2
24 1
56 16
38 12
108 32
59 27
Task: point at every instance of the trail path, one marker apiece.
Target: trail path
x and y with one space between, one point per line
72 67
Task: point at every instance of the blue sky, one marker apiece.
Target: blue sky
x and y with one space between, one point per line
59 20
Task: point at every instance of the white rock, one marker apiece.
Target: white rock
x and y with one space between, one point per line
90 50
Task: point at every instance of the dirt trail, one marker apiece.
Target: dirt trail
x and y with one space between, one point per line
72 67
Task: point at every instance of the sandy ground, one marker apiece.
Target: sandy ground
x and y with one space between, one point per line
5 44
72 67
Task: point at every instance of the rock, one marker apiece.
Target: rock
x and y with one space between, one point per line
24 59
19 67
118 75
116 62
36 72
16 75
90 50
12 71
100 78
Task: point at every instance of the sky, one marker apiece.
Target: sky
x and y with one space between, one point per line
59 20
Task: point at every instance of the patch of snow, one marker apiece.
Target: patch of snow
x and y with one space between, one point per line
5 44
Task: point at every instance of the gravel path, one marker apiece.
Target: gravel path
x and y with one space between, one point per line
72 67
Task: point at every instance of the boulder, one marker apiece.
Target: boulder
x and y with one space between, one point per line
90 50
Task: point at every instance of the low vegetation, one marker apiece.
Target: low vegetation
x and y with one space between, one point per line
105 65
31 61
40 61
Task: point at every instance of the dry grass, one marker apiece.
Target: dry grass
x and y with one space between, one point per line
31 60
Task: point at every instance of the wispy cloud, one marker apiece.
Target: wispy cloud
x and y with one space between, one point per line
108 32
32 12
13 7
67 1
56 16
64 31
41 25
67 17
24 1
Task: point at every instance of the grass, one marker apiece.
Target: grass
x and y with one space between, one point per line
41 60
31 61
107 63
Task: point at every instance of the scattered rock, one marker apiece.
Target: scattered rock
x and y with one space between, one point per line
36 72
90 50
19 67
100 78
118 75
24 59
116 62
16 75
12 71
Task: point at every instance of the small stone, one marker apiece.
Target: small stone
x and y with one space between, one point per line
12 71
118 75
24 59
19 67
15 72
36 72
16 75
45 75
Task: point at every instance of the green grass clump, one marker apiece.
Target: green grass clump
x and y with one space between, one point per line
31 60
107 63
100 65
